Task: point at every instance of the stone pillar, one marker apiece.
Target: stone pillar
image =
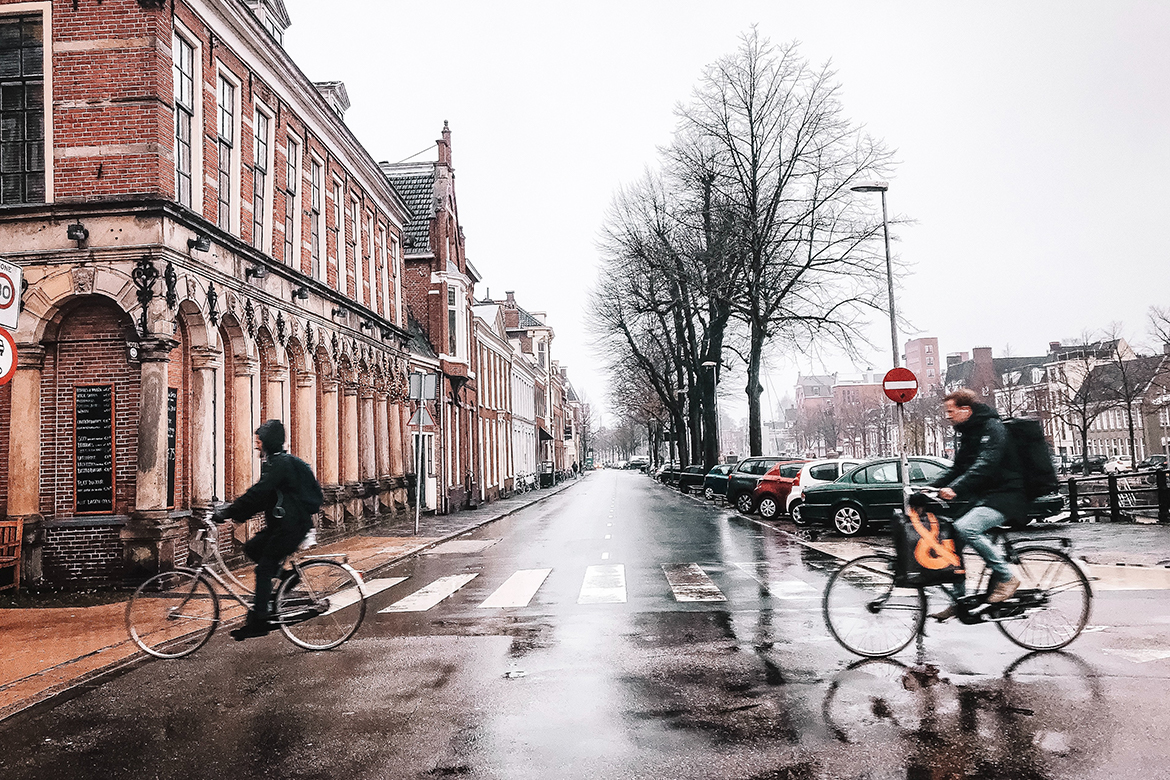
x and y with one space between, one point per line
395 441
205 362
24 457
306 422
276 397
381 436
349 434
367 461
244 425
330 436
151 483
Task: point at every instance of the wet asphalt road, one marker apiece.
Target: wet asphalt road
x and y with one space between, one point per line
648 687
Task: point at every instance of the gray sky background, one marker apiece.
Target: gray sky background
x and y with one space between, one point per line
1033 140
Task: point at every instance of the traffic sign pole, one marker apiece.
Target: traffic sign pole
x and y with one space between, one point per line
900 385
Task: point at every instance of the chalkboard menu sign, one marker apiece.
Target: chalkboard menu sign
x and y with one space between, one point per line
172 422
93 472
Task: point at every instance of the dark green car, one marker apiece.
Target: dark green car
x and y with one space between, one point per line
869 494
872 492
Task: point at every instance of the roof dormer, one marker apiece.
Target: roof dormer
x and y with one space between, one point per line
272 15
335 95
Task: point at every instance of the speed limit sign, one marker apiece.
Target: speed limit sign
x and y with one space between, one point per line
10 278
7 357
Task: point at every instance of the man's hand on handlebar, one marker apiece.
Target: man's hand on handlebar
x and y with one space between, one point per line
946 494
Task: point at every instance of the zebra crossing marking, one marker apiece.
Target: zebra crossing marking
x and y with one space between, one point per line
350 596
429 596
604 585
788 588
689 582
517 590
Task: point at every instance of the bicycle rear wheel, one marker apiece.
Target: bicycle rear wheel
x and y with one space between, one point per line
173 614
866 613
321 606
1061 592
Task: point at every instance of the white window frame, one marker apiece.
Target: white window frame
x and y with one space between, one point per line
338 193
353 215
266 221
192 40
235 175
317 194
297 176
384 270
396 265
45 9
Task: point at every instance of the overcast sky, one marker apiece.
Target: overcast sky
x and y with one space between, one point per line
1033 141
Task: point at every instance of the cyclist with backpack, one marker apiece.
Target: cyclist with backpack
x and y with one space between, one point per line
986 476
289 495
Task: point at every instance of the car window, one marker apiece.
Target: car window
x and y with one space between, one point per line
882 473
858 477
790 470
695 469
825 471
923 472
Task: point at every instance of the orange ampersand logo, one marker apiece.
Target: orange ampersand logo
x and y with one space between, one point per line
931 552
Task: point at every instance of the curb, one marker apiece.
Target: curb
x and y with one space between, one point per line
64 691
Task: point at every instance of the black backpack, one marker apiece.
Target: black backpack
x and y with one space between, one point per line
309 492
1031 448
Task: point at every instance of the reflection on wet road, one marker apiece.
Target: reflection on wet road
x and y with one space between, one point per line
620 630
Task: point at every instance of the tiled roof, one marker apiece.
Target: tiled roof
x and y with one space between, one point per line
527 320
418 343
417 190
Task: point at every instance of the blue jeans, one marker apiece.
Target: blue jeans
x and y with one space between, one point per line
972 527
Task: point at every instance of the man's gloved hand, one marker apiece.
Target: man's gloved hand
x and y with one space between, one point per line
220 514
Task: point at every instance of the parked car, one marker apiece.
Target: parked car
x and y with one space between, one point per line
742 480
667 473
867 495
1153 462
691 478
1118 463
816 472
1096 465
715 483
771 493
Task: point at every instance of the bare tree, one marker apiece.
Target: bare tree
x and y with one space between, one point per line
1079 395
783 158
1160 325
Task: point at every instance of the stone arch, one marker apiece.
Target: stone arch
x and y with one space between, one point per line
302 402
59 289
328 464
240 408
274 378
199 332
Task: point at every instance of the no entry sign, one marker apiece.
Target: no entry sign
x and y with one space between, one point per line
900 385
10 278
7 356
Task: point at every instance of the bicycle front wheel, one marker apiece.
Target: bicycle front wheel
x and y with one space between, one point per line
867 613
173 614
1055 597
320 606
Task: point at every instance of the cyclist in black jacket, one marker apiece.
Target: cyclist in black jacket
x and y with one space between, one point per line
986 476
285 499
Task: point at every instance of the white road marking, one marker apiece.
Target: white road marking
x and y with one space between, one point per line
607 536
605 556
690 583
1139 655
787 588
461 546
424 599
349 596
604 585
517 590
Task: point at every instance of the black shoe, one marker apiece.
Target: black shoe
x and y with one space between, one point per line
253 626
943 615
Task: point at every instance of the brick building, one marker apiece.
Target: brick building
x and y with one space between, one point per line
923 359
206 245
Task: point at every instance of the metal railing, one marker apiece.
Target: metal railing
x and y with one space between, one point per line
1143 493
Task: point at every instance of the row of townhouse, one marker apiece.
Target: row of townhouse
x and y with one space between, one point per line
1098 387
205 245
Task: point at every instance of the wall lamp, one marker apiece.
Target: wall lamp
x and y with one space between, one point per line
259 273
77 232
301 293
199 243
365 325
339 312
387 333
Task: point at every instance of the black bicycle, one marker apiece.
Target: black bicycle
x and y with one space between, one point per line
870 610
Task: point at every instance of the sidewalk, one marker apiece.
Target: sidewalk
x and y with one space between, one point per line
46 652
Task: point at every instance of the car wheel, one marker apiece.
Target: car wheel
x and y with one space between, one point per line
683 489
744 503
795 512
709 493
768 507
848 520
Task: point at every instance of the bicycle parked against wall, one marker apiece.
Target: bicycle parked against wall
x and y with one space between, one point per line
319 603
870 610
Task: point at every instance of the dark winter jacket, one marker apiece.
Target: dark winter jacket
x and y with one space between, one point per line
986 470
282 480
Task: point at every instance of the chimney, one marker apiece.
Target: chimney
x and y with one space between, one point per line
445 146
510 299
1054 346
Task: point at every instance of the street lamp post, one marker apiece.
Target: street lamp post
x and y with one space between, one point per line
882 186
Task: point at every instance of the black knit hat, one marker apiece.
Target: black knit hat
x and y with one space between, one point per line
271 436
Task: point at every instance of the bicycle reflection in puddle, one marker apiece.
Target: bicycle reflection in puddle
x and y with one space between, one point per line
1046 717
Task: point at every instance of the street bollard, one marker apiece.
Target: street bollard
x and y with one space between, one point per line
1163 497
1114 505
1073 508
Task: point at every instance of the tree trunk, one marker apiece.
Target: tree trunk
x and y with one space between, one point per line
754 391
